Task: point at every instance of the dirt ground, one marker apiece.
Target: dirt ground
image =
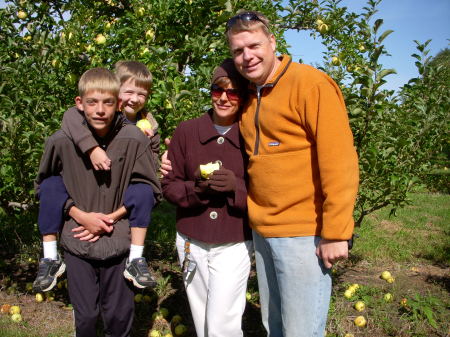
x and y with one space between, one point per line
55 317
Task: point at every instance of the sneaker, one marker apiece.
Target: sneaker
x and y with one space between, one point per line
49 270
137 272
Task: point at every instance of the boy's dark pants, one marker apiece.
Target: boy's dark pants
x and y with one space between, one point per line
99 287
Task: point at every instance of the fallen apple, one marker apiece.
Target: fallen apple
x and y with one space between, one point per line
360 306
385 275
349 335
16 318
147 298
39 298
157 316
360 321
207 170
390 280
388 297
404 302
248 296
164 312
180 330
176 319
349 293
5 308
15 309
154 333
144 124
138 298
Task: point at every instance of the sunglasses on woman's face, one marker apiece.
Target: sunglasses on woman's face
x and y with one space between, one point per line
217 91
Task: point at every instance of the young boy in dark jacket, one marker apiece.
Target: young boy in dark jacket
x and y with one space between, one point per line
95 268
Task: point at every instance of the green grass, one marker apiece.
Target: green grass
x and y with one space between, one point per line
421 231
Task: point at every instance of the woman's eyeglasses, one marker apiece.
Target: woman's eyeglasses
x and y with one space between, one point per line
243 17
217 91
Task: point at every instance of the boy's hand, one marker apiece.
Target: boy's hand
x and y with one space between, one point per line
94 223
166 164
149 133
99 159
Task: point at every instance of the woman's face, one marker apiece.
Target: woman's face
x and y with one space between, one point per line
226 102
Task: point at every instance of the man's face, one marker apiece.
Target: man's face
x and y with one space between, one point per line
253 54
99 109
133 97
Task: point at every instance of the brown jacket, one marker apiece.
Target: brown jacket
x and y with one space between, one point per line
100 191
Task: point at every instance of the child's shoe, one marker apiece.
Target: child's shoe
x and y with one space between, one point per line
49 270
136 271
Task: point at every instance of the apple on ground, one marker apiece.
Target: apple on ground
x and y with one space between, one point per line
248 296
385 275
16 318
349 335
15 309
176 319
138 298
164 312
349 293
39 298
360 321
4 309
154 333
147 298
390 280
180 330
388 297
360 306
29 286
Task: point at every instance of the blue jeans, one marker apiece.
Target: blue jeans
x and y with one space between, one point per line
294 286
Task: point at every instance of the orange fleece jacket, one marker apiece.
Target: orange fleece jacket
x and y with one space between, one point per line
303 168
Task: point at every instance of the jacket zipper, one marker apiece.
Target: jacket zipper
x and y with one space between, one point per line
258 96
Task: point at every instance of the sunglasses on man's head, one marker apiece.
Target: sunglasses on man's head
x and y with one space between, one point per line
217 91
243 17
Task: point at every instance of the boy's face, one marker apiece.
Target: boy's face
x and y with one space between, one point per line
99 109
133 97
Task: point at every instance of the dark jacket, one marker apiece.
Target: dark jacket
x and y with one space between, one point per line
100 191
218 218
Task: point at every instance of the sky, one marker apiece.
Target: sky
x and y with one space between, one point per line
410 20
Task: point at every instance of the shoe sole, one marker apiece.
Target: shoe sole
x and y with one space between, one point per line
60 271
129 277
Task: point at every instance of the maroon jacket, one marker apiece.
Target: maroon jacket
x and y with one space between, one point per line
219 218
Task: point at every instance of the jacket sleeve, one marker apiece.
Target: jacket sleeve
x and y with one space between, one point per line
75 127
144 171
238 199
327 120
178 185
50 164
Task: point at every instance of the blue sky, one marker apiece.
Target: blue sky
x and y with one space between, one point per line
409 19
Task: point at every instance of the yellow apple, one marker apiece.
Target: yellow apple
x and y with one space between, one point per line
360 306
349 335
29 286
385 275
56 63
15 309
144 51
168 335
150 34
360 321
147 298
141 11
404 302
361 47
108 25
144 124
335 61
180 330
16 318
323 28
207 170
388 297
248 296
157 316
100 39
164 312
138 298
348 293
27 38
22 15
50 296
176 319
390 280
319 22
154 333
39 298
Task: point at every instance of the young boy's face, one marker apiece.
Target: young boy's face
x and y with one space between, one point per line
133 97
99 109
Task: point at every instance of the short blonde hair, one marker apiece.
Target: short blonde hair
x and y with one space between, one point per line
243 22
135 70
98 79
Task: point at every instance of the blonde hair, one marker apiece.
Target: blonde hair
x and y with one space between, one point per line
135 70
235 24
98 79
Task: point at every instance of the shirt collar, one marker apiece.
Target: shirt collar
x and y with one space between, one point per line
208 132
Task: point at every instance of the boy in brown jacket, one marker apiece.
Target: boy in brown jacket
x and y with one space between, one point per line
94 269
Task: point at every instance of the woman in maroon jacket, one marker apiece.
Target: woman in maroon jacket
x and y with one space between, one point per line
213 237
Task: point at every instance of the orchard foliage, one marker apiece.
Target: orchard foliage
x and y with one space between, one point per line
46 46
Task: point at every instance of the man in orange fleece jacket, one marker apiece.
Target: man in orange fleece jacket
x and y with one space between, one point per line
303 178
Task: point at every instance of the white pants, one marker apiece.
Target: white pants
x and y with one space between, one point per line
216 288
